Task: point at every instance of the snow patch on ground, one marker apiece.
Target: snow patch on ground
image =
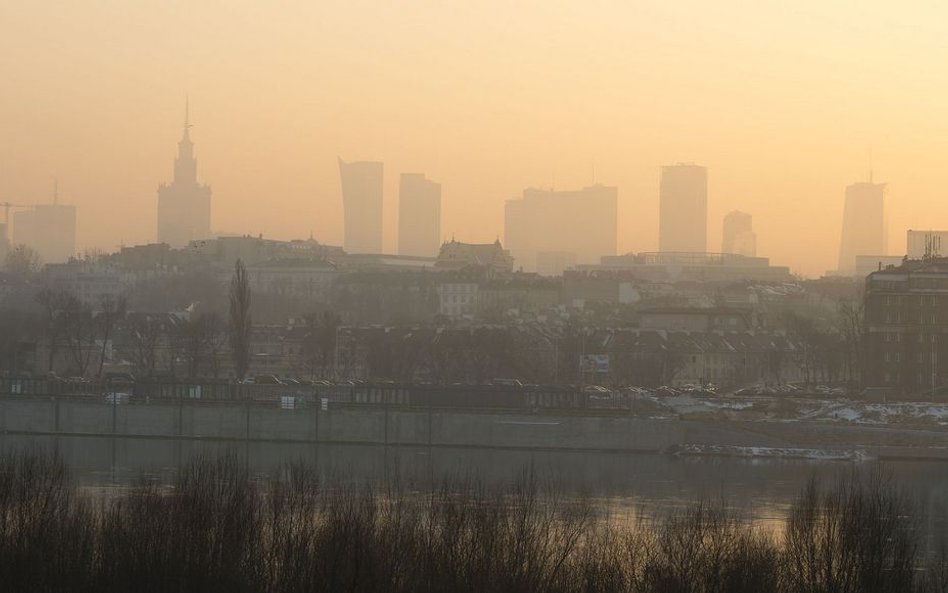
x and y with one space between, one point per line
890 413
790 410
689 404
772 452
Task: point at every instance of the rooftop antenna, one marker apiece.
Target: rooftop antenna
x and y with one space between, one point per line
870 164
55 191
594 171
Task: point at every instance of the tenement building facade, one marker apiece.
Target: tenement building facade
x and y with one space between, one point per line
906 328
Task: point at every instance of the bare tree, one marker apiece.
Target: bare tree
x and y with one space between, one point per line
855 537
216 340
79 332
146 332
240 321
110 310
23 260
16 327
53 304
318 349
850 326
198 340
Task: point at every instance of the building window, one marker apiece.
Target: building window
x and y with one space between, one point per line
885 357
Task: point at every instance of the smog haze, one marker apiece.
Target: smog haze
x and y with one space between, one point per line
783 103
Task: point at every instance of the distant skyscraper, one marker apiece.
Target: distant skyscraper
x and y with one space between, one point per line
578 225
419 215
50 229
362 206
683 209
863 224
739 236
184 206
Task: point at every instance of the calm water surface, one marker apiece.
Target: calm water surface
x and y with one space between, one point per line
642 483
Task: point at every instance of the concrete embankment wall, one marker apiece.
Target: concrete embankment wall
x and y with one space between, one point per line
363 425
375 425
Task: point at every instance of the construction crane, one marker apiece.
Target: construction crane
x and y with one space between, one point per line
6 210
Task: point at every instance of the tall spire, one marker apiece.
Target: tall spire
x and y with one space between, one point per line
185 166
187 115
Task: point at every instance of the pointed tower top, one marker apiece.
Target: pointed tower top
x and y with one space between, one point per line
187 115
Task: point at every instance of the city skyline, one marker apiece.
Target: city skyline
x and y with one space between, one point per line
687 192
501 106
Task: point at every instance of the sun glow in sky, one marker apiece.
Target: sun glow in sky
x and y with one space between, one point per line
783 101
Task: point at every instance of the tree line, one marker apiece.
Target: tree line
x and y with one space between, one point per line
217 527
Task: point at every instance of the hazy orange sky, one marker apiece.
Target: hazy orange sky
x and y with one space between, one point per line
782 101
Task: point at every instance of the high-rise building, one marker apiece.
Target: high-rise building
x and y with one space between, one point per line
921 244
683 209
738 235
49 229
419 215
184 205
863 224
580 225
554 263
362 206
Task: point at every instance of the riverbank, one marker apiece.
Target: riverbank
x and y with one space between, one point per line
412 427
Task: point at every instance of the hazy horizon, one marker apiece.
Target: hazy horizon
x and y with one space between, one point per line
783 105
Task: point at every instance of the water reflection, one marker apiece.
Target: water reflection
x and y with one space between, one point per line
625 483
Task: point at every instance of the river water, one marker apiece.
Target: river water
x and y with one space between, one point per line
649 484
